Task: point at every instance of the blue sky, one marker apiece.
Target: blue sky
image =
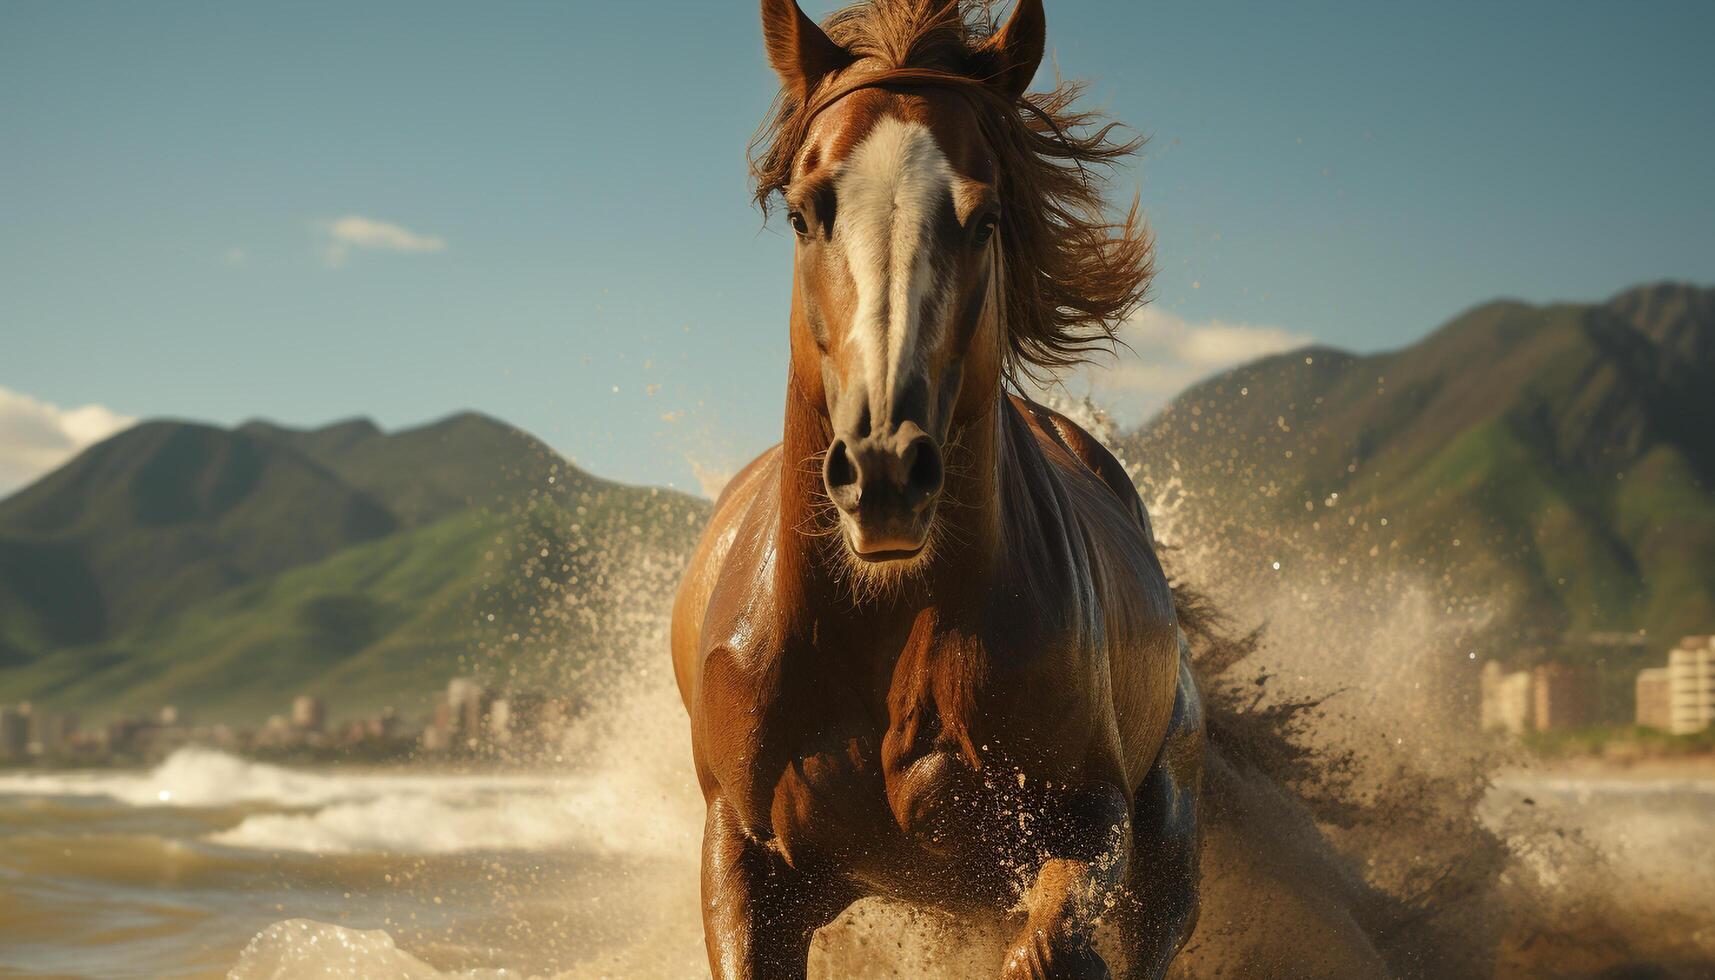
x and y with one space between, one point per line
311 211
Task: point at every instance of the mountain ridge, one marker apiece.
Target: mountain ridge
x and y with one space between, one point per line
215 566
1556 455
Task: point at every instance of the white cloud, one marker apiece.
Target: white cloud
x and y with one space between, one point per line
36 436
1168 354
357 231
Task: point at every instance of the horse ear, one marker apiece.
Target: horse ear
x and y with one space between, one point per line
1015 51
801 53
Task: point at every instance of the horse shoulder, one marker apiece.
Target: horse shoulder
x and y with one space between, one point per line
722 632
741 507
1054 428
1139 627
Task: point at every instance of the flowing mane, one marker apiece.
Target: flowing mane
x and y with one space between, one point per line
1074 271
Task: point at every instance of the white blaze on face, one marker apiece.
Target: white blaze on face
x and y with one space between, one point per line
890 190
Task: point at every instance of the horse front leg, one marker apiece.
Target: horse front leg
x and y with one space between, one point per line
1159 909
759 913
1071 891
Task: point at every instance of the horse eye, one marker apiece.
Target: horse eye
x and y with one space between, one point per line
799 225
985 230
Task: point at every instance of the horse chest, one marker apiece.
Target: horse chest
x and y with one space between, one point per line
883 821
826 783
828 800
914 795
908 822
802 770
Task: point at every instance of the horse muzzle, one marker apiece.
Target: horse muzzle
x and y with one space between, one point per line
886 485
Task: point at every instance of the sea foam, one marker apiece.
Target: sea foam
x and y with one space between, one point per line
301 948
200 777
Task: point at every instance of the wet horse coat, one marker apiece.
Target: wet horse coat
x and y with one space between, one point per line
926 646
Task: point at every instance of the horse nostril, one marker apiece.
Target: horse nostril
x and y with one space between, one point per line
838 470
924 461
840 474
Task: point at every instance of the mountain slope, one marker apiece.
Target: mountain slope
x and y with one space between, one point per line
224 570
160 516
246 648
427 473
1557 458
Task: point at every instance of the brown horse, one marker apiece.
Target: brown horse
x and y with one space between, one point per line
926 646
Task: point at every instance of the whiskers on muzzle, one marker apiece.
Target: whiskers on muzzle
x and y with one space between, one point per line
865 580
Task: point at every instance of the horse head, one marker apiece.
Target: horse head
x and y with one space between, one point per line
894 193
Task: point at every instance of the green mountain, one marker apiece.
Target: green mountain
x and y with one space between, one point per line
223 571
1557 461
161 516
1553 462
432 471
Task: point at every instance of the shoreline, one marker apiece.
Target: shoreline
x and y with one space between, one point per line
1690 768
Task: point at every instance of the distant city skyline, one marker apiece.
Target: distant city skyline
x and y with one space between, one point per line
308 213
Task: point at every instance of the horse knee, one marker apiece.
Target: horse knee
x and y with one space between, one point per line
1041 954
1165 880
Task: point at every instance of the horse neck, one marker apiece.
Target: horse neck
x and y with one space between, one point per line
810 573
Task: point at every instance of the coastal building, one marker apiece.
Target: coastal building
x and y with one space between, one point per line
436 737
309 714
1507 702
515 716
125 736
1691 685
502 721
14 732
1654 702
462 691
470 704
473 718
383 725
439 734
1548 697
1562 697
51 734
462 720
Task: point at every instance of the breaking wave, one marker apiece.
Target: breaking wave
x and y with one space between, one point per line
190 777
612 807
608 808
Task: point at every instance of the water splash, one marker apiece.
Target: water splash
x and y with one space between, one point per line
1352 826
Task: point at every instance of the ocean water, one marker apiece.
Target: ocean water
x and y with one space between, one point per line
210 866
